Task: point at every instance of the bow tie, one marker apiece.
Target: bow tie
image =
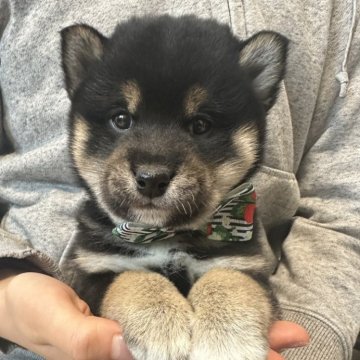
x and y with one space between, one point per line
233 220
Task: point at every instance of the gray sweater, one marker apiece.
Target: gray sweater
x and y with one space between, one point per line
308 186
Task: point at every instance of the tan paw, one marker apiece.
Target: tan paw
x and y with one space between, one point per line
160 333
155 317
232 314
227 344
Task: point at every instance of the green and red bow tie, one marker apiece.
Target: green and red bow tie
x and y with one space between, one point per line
233 220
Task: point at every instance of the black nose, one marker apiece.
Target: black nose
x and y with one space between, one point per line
152 185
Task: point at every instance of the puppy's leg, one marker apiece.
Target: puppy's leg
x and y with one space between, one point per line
232 317
155 317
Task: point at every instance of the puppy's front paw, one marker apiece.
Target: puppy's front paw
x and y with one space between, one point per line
164 339
227 341
232 314
155 317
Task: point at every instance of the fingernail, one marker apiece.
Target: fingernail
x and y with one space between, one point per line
119 349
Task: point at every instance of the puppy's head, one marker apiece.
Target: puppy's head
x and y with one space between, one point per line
168 114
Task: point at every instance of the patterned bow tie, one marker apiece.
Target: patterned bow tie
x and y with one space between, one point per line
233 220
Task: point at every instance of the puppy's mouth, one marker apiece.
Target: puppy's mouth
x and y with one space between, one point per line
163 211
148 204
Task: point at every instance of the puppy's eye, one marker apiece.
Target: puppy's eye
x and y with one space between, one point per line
200 126
121 121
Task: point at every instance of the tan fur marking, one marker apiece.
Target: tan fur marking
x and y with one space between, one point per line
132 94
155 317
87 167
81 135
193 99
232 317
246 145
246 142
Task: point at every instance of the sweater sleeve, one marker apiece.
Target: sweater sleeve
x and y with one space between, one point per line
14 251
317 281
38 194
10 244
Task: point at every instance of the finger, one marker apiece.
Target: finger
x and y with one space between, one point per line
82 336
96 338
285 334
273 355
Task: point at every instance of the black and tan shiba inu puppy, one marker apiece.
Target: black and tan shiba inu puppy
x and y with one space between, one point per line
167 121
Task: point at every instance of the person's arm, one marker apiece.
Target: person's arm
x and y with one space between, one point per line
318 281
12 246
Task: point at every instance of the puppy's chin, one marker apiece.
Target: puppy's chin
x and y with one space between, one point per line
178 217
152 216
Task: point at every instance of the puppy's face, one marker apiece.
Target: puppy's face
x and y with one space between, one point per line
168 114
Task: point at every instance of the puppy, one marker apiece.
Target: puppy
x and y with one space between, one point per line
166 127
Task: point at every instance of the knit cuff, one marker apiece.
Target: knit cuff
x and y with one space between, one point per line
325 342
15 252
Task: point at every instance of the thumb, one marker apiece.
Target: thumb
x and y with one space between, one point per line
285 334
81 335
96 338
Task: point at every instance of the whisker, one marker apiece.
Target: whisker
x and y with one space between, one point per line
183 208
190 208
177 207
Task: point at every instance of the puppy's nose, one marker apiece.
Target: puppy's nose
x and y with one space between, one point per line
152 185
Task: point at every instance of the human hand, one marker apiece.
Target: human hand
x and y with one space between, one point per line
46 316
285 334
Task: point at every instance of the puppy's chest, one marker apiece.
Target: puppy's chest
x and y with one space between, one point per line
182 259
173 259
174 262
176 259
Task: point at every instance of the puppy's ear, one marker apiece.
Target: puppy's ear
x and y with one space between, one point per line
82 46
263 57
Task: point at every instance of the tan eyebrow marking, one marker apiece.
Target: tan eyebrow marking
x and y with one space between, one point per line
195 96
132 94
